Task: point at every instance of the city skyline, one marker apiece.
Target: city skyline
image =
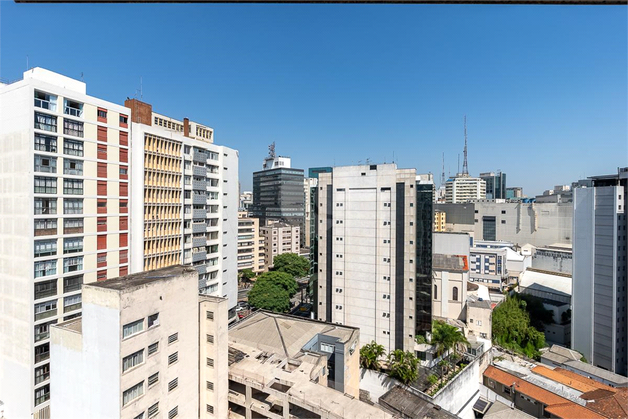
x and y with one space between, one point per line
361 81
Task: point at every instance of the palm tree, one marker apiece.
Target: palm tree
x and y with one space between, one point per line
446 337
370 355
403 365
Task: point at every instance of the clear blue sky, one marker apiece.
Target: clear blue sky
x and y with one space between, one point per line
544 88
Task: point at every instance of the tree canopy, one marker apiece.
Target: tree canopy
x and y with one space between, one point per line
247 274
370 355
512 329
293 264
403 366
446 337
269 295
283 279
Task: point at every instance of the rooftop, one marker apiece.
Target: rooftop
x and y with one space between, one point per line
75 325
546 281
571 359
412 406
473 301
129 282
455 263
499 410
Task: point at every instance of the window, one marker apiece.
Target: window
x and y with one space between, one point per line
45 122
42 373
73 245
72 225
123 172
101 152
45 206
210 386
74 128
153 320
124 120
455 294
133 393
45 289
210 362
326 347
173 384
503 221
45 268
72 206
45 226
73 108
45 164
153 348
73 264
172 358
73 147
132 328
140 416
73 302
479 323
45 101
210 409
42 394
173 338
210 315
72 283
72 167
45 185
45 248
153 410
153 379
435 292
133 360
45 143
173 413
102 114
46 309
210 338
506 389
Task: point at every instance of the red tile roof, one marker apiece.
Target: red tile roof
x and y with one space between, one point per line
559 377
612 405
589 381
572 410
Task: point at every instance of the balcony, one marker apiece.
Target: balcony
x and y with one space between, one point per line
202 269
72 307
198 256
199 241
199 156
198 227
46 232
199 171
42 356
199 185
45 314
199 199
199 214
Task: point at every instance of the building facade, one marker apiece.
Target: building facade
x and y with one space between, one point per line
599 272
463 188
367 256
489 267
278 192
514 192
251 245
137 344
279 238
495 184
450 265
185 189
65 201
440 219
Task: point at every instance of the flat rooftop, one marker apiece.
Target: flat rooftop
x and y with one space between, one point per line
142 278
75 325
283 334
412 406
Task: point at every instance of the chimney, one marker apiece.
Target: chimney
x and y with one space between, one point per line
140 112
186 127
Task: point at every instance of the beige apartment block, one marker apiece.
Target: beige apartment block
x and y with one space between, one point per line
450 265
137 341
367 252
464 188
282 366
479 317
64 177
250 244
440 219
279 238
184 200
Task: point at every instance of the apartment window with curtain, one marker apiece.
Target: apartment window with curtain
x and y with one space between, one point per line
73 245
73 302
45 268
73 186
45 206
45 248
45 310
45 164
132 328
45 143
73 264
72 206
73 147
42 394
72 226
45 122
72 167
45 226
133 360
45 185
74 128
132 393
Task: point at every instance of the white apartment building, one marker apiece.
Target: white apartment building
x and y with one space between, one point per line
251 246
185 189
599 304
279 238
64 170
366 251
463 188
489 266
137 345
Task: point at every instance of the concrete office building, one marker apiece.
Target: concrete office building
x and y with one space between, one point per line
64 168
283 366
278 192
251 247
450 264
309 184
554 258
464 188
599 272
185 189
488 266
367 256
495 184
137 341
279 238
514 192
246 201
516 222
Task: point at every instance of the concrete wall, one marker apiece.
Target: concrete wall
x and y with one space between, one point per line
376 383
459 395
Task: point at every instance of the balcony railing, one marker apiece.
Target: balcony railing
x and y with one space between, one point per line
41 357
42 336
40 400
42 378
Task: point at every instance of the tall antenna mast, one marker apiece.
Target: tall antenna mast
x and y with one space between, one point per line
465 167
442 176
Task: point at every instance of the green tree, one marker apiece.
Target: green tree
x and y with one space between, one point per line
539 315
370 355
285 280
432 379
420 339
512 328
247 274
403 366
293 264
269 295
447 337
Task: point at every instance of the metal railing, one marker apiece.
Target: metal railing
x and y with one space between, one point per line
73 111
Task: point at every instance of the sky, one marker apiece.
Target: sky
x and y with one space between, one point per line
544 88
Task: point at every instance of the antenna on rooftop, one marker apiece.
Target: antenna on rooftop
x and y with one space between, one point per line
442 176
465 167
82 76
141 89
458 163
27 68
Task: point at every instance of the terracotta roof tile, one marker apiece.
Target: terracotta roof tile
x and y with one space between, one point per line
559 377
589 381
522 386
572 410
609 404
